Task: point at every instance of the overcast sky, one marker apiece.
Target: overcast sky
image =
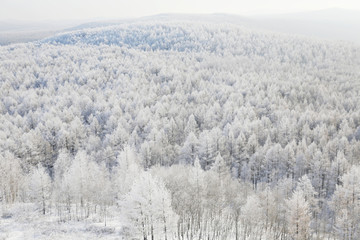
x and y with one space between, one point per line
88 9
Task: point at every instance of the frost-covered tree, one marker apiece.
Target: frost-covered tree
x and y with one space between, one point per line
148 209
127 170
346 205
11 178
189 151
252 218
39 187
299 216
311 196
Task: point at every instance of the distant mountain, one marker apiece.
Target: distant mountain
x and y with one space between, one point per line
330 24
27 31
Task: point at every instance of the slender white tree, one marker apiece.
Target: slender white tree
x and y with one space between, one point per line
346 204
299 216
39 187
11 178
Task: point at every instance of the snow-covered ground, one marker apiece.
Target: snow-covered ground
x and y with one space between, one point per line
25 221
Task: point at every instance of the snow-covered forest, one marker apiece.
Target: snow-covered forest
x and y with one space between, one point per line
180 130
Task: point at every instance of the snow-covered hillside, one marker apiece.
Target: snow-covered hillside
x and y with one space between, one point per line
179 130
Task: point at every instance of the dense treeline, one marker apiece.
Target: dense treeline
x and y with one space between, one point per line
189 131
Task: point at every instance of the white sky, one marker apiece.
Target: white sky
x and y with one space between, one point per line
87 9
